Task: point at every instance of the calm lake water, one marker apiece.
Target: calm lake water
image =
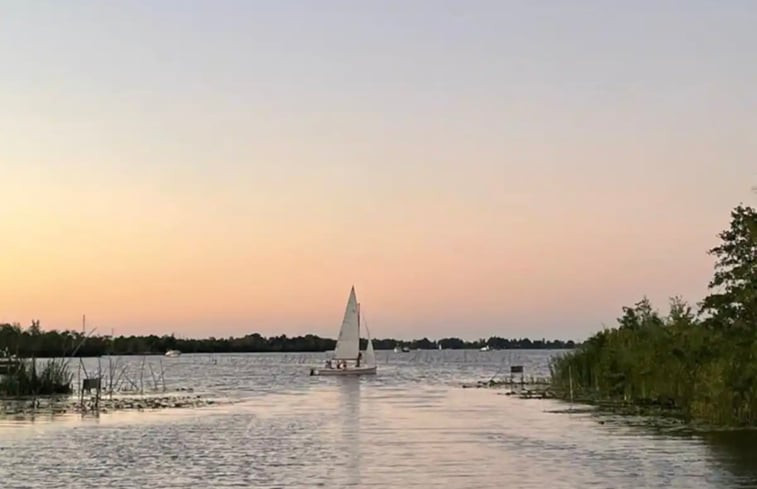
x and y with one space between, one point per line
412 425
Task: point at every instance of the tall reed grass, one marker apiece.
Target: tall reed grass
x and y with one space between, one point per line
30 377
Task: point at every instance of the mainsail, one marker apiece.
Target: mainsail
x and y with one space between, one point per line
348 343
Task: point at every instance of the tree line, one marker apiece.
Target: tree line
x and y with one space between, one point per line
699 363
33 341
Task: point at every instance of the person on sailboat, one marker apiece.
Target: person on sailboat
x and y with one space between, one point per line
359 356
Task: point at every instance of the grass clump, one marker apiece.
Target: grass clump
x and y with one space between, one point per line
26 378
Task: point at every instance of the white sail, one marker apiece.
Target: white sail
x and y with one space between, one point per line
348 343
370 356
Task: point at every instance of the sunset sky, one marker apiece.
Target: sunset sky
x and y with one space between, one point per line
474 168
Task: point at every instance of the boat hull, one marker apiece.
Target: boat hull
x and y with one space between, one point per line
343 371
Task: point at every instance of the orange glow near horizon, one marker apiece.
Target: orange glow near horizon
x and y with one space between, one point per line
142 262
504 172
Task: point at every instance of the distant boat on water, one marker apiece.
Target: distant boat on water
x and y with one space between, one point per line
348 359
485 348
173 353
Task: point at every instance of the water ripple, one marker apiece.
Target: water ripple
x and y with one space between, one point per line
410 426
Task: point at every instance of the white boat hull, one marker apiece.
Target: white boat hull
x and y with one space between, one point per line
344 371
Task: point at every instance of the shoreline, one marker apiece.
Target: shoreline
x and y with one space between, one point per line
639 414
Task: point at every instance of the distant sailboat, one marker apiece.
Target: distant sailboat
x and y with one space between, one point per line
348 359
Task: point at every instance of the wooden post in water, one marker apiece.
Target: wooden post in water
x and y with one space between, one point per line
154 380
78 376
81 385
141 377
111 367
570 381
98 385
162 375
34 382
110 375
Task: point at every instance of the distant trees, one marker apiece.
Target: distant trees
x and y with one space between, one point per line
494 342
453 344
35 342
701 366
53 343
498 343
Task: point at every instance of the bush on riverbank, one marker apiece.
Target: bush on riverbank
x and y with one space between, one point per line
26 378
700 366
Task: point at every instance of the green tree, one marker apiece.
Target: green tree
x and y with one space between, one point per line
733 301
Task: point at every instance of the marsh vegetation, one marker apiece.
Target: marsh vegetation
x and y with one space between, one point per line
28 377
699 364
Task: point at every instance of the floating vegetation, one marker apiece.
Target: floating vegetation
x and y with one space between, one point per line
509 383
520 386
58 405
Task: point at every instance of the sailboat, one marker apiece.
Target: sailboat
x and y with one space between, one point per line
348 359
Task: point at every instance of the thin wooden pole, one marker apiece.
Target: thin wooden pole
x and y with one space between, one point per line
152 374
162 375
141 377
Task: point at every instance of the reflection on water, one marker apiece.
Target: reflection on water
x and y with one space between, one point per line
349 414
409 426
737 452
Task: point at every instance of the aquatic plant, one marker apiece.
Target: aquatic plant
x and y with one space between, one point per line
702 368
27 378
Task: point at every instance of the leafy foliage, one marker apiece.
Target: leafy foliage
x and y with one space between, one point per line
734 300
704 370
